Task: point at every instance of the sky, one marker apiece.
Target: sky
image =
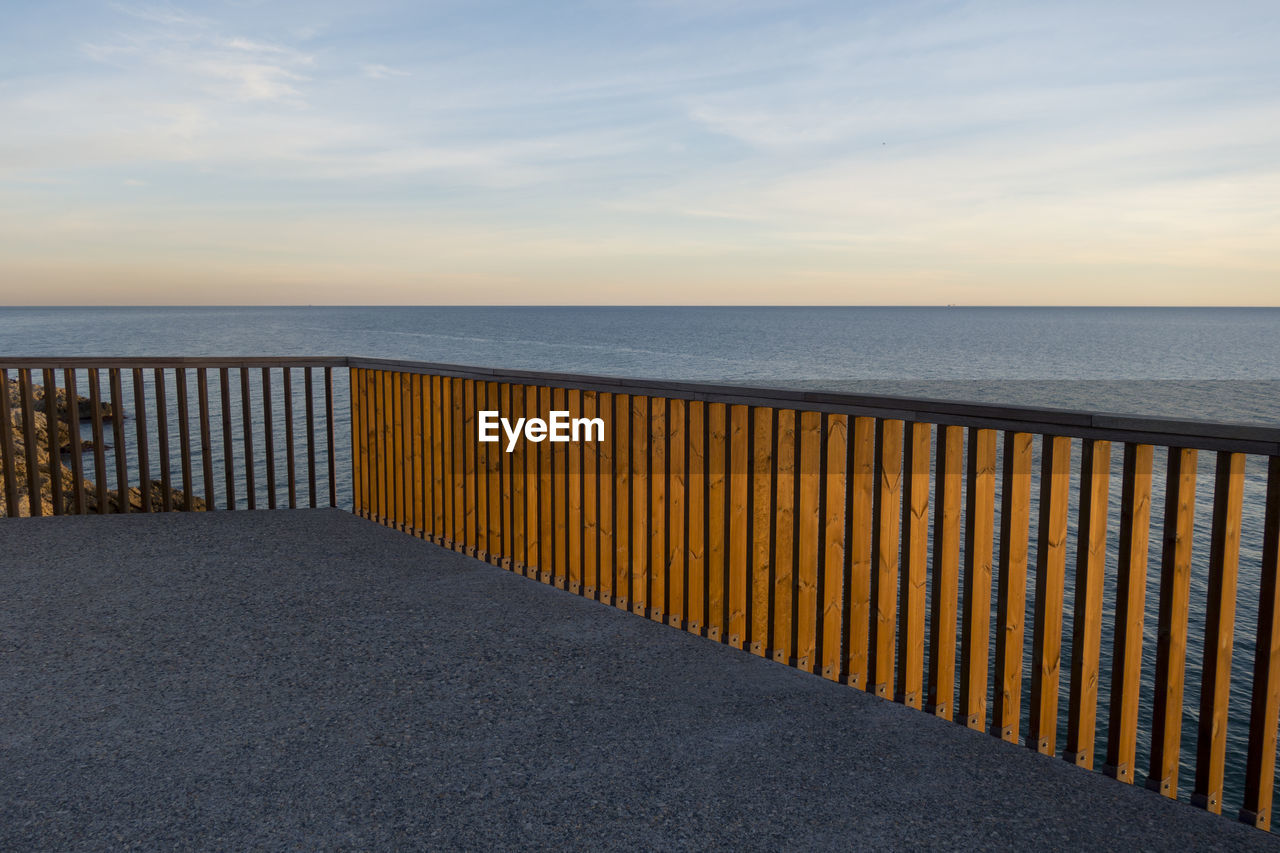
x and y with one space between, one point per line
640 152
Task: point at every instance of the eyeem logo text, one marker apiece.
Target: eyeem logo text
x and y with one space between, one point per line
559 428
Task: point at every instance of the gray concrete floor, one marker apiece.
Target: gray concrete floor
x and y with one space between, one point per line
309 680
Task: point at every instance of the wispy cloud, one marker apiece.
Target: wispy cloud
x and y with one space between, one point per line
382 72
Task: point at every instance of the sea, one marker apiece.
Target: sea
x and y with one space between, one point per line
1205 364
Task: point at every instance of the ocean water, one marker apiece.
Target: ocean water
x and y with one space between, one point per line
1197 364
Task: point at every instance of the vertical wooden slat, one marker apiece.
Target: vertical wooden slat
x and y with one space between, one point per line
162 441
1011 586
784 538
605 467
739 508
884 580
519 497
860 538
328 427
268 439
622 502
975 630
506 509
29 442
51 421
1086 632
360 439
140 424
409 453
395 449
533 487
1219 632
246 425
290 465
677 512
809 544
73 422
546 496
833 534
696 568
206 437
228 459
480 451
373 429
457 441
1171 636
590 504
717 517
1131 596
761 530
308 397
117 434
573 482
560 499
184 436
439 457
640 509
1051 556
658 509
99 458
1264 708
915 546
10 449
421 465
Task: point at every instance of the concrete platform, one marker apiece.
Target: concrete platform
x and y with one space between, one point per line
309 680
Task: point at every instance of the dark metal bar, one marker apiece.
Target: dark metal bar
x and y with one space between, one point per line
328 403
246 412
184 435
117 432
311 438
99 459
73 424
7 447
267 438
51 421
162 424
206 439
1264 709
140 422
228 459
288 438
29 442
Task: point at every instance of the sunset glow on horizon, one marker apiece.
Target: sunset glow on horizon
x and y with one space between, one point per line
640 152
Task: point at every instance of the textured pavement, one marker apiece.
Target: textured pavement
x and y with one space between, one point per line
309 680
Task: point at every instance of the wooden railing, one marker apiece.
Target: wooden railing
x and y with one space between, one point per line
798 526
232 419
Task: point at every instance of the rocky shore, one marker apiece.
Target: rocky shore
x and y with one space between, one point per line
44 456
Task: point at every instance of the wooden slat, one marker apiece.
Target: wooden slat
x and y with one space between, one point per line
29 441
784 536
884 580
184 437
77 456
739 515
404 452
118 453
51 420
246 424
1011 586
519 497
457 442
1086 632
573 483
809 540
860 537
206 437
291 467
605 467
377 468
658 509
507 474
1219 632
1131 596
1264 708
979 529
421 454
1171 636
717 518
762 483
677 514
480 450
268 437
99 457
913 580
9 449
228 458
835 486
590 504
696 568
439 457
546 496
328 426
359 449
640 509
395 450
308 389
622 502
533 500
560 499
1051 556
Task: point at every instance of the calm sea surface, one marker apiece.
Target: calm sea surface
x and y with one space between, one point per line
1202 364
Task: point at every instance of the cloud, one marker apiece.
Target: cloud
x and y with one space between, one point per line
382 72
